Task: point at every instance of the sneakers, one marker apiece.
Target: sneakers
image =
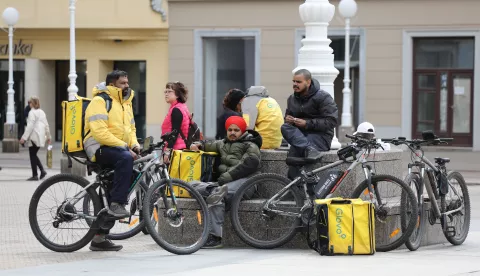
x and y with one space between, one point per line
105 245
43 174
33 178
217 195
312 153
118 210
213 242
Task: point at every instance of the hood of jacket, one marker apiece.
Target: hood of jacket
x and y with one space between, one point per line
312 90
114 92
248 136
260 91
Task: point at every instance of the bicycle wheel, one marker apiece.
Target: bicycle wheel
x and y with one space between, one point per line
251 222
180 228
389 234
59 219
415 240
453 200
131 226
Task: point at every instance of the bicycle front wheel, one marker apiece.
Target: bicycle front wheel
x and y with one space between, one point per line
262 226
182 227
415 240
388 190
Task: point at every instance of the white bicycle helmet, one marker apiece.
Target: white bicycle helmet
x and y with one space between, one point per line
365 130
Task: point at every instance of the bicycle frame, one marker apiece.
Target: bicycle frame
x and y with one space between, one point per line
431 171
360 159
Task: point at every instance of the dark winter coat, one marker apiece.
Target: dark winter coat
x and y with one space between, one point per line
239 158
318 108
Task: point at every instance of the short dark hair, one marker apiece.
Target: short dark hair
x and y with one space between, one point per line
305 73
180 90
113 76
232 98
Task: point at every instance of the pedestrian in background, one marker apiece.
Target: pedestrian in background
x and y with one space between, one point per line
35 135
232 106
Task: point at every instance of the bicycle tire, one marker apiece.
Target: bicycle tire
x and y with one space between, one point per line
415 240
235 205
151 227
32 212
409 193
466 197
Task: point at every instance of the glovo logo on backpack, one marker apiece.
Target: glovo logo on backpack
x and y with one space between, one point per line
191 168
338 219
73 111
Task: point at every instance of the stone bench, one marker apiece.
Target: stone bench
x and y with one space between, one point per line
273 161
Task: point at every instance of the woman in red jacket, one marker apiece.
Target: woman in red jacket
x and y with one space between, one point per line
178 117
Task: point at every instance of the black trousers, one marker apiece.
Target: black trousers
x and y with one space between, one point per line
34 161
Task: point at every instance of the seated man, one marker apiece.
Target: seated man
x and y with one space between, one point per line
111 140
240 158
264 115
310 119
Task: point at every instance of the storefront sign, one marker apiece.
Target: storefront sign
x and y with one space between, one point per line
19 49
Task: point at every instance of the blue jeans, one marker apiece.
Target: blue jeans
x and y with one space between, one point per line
122 161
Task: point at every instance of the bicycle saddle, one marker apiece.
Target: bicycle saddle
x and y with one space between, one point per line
440 160
302 161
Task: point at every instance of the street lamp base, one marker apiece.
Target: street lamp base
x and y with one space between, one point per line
342 130
10 138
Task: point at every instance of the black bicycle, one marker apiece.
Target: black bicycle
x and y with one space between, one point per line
81 220
448 187
269 209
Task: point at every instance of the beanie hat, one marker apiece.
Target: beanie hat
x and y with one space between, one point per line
236 120
235 96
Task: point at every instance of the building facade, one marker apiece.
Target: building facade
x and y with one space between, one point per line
109 35
414 64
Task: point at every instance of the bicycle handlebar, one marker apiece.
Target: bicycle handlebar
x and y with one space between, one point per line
364 142
417 142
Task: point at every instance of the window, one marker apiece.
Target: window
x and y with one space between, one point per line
18 97
137 79
456 53
229 62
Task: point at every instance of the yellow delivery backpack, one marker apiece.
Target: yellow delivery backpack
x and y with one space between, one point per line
73 123
344 227
193 165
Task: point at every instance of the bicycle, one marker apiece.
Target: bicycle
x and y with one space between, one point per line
64 212
438 187
299 204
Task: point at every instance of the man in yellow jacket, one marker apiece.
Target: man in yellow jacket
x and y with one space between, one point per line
111 140
263 114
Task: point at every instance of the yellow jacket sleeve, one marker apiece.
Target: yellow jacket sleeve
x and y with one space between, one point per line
133 132
97 117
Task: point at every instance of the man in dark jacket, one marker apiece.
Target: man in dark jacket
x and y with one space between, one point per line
240 158
310 119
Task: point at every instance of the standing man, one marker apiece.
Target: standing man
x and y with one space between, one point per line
310 119
111 140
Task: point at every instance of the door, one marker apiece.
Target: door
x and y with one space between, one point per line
443 88
444 104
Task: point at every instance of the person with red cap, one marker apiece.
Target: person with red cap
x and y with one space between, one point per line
240 159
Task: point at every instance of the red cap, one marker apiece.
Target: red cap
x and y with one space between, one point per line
236 120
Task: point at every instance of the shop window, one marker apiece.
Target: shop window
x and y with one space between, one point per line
137 80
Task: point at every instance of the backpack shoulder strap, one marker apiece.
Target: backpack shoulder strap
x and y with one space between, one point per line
108 100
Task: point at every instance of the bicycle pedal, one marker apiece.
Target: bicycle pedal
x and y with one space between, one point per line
450 231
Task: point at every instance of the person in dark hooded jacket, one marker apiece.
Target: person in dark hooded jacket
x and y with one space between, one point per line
310 119
232 106
240 159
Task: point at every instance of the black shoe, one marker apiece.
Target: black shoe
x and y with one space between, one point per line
106 245
118 210
213 242
217 195
312 153
43 174
33 178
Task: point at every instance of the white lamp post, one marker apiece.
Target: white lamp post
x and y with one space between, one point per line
72 88
316 55
10 141
348 9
